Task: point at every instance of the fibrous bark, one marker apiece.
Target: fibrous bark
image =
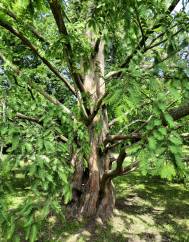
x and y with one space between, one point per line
90 196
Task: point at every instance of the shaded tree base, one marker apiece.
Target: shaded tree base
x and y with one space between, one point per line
94 204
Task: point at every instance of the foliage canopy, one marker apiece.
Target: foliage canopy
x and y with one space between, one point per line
47 52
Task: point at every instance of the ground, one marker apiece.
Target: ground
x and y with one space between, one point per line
147 209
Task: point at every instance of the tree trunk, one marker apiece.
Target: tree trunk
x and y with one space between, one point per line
90 196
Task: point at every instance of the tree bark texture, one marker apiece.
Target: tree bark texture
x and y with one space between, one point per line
91 197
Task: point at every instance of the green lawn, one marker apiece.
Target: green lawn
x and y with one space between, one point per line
146 210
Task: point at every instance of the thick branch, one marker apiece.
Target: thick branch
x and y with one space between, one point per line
176 113
135 134
26 42
113 173
130 168
120 160
114 138
173 5
179 112
119 172
59 18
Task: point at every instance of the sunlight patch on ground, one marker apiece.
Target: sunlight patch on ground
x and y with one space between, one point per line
149 210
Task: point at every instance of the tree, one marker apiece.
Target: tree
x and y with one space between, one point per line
83 80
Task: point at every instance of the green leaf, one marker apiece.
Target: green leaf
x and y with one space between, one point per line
48 146
67 194
175 140
33 233
161 106
158 135
63 176
169 120
20 5
11 229
28 147
15 143
163 131
16 238
175 149
157 122
27 233
168 172
152 143
45 210
32 170
29 222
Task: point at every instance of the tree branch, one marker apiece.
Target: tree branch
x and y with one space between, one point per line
113 173
58 14
130 168
173 5
164 59
26 42
97 107
135 134
112 122
119 171
30 27
120 161
179 112
176 113
38 121
162 41
50 98
29 118
114 138
140 45
140 26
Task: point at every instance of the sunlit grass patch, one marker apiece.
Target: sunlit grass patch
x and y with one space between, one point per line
147 209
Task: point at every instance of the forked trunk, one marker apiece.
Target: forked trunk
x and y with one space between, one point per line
90 196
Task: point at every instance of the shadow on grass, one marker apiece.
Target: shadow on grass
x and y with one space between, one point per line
146 210
156 205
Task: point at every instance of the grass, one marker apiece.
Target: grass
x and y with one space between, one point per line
147 209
